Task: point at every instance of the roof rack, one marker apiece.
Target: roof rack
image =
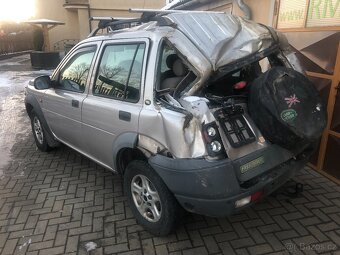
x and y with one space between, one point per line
164 12
112 23
147 15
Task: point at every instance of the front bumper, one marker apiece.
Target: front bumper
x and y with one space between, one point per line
212 188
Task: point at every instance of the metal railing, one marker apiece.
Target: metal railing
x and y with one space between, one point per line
65 45
11 43
76 1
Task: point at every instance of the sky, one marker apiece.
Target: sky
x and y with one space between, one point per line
16 10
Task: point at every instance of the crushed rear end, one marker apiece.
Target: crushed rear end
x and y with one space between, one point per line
246 122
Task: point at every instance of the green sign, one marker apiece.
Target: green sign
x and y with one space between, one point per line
288 115
252 164
313 13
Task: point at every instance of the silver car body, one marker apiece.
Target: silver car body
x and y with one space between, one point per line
206 42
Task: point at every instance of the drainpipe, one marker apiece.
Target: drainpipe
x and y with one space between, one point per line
89 13
245 8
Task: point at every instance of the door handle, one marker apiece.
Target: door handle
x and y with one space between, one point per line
75 103
125 116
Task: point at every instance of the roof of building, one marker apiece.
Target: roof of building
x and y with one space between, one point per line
44 22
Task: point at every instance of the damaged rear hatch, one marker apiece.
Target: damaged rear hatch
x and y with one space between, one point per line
233 46
224 39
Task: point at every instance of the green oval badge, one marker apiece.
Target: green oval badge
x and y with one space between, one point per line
289 115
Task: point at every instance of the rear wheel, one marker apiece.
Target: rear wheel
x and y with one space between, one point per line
151 202
39 133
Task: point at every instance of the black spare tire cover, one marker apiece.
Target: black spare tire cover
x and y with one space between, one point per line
287 108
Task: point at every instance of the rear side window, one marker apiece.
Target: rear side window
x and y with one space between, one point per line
166 52
120 71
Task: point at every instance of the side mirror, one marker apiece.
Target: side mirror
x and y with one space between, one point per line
42 82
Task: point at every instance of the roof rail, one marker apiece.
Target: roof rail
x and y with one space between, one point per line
147 15
164 12
110 23
153 14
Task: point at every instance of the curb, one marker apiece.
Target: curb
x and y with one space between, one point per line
15 54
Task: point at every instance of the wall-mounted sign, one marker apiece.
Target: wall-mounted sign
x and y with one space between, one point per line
323 13
292 14
308 13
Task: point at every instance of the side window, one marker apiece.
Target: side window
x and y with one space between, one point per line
167 53
74 75
120 72
174 73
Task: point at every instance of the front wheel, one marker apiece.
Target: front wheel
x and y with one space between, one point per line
39 132
151 202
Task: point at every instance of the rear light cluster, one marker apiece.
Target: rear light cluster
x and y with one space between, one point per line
213 140
246 200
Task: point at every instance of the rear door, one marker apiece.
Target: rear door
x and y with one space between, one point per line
63 103
115 99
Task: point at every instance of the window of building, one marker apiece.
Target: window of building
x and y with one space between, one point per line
73 77
120 72
308 13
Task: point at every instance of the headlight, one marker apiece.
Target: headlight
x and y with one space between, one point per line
215 146
211 131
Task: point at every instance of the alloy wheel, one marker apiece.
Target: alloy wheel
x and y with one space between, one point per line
146 198
38 130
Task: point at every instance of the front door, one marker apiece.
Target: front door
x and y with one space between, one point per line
116 97
63 103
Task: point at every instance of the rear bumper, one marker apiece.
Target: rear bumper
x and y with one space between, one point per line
212 188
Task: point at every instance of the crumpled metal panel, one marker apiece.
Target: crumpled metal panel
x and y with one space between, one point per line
222 38
167 128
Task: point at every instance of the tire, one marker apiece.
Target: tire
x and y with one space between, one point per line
162 219
39 133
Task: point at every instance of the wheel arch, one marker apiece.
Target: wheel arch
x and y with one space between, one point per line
124 150
31 103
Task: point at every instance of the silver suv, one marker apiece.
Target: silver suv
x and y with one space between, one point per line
196 110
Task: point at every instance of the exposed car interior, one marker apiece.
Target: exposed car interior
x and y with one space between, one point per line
173 76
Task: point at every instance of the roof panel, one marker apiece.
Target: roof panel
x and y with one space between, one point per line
222 38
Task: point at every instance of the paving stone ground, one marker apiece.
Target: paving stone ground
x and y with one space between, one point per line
59 202
56 202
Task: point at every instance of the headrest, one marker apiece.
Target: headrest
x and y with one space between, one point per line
179 68
170 60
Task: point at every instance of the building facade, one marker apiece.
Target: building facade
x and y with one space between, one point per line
76 13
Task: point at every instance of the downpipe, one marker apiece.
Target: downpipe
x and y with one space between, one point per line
245 8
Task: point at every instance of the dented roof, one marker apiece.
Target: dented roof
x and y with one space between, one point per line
222 38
